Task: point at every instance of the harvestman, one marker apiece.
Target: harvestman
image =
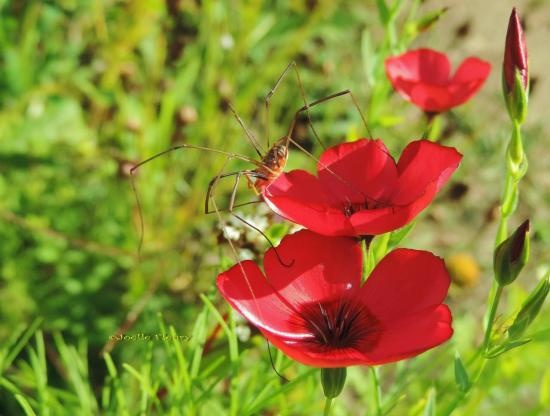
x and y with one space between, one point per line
268 168
271 164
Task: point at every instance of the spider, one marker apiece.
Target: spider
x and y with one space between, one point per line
267 168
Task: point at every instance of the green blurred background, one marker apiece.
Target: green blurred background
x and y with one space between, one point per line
89 88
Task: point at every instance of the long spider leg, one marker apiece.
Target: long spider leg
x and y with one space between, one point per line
192 146
266 238
291 65
291 140
140 215
328 169
356 103
283 378
237 260
213 183
268 99
307 106
253 141
238 175
229 155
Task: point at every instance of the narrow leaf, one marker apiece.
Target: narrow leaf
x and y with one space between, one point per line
461 375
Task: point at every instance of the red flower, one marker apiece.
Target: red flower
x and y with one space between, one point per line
360 190
423 77
318 313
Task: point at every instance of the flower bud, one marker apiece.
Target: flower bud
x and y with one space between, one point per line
530 309
333 380
511 255
515 54
515 72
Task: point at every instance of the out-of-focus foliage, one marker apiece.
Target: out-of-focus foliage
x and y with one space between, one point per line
87 89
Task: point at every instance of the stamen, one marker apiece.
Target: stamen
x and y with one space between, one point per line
338 323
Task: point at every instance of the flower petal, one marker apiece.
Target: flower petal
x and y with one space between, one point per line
358 171
404 283
422 163
423 77
315 267
309 353
469 78
321 267
432 98
248 291
421 65
398 340
299 197
409 336
383 220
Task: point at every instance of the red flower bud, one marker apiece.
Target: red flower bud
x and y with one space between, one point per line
511 255
515 54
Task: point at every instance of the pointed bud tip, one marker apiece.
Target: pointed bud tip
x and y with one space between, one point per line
520 236
511 255
515 52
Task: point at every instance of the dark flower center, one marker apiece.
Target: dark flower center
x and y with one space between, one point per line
339 323
351 208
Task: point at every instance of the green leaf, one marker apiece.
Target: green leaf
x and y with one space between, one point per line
461 374
25 405
379 246
501 349
383 11
399 235
429 410
16 343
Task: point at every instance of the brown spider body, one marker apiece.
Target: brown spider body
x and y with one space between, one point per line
272 165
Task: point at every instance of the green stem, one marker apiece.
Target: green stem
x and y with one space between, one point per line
377 394
493 306
234 357
480 370
432 130
328 403
368 261
515 148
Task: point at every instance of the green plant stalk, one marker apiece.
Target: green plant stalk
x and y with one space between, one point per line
493 306
377 393
433 127
516 167
328 403
234 363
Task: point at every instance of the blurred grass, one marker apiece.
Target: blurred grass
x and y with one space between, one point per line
89 88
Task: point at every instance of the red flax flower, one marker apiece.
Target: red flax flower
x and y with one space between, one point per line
318 313
423 77
360 190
